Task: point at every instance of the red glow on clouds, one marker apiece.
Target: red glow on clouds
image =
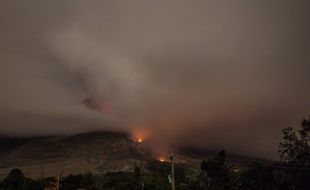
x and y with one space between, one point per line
106 107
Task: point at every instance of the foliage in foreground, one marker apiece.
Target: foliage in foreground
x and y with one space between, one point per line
291 173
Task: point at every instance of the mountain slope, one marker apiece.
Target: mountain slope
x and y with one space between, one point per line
94 152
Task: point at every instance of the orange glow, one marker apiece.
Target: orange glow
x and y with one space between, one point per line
161 159
139 135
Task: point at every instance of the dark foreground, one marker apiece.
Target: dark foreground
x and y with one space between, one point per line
291 173
212 174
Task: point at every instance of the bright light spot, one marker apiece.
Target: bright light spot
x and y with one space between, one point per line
139 135
161 159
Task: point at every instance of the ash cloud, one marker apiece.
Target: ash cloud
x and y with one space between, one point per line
205 73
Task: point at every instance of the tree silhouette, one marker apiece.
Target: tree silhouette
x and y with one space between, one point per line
220 176
295 145
295 151
14 180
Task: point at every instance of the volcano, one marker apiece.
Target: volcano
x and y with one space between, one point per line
95 152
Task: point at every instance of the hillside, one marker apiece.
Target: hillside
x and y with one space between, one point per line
47 156
95 152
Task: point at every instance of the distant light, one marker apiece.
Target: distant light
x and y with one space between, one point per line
161 160
139 135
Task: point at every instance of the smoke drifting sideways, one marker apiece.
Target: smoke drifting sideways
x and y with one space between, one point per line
204 73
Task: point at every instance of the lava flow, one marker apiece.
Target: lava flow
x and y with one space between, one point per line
139 135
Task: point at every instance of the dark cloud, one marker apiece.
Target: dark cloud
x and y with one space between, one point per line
209 73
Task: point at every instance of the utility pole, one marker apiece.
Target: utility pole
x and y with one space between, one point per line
172 172
58 182
56 185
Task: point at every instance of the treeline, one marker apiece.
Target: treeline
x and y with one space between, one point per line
291 173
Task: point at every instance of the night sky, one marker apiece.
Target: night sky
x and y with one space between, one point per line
214 74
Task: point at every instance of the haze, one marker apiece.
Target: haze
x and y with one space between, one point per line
213 74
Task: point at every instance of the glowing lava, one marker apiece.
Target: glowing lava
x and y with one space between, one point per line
139 135
161 159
